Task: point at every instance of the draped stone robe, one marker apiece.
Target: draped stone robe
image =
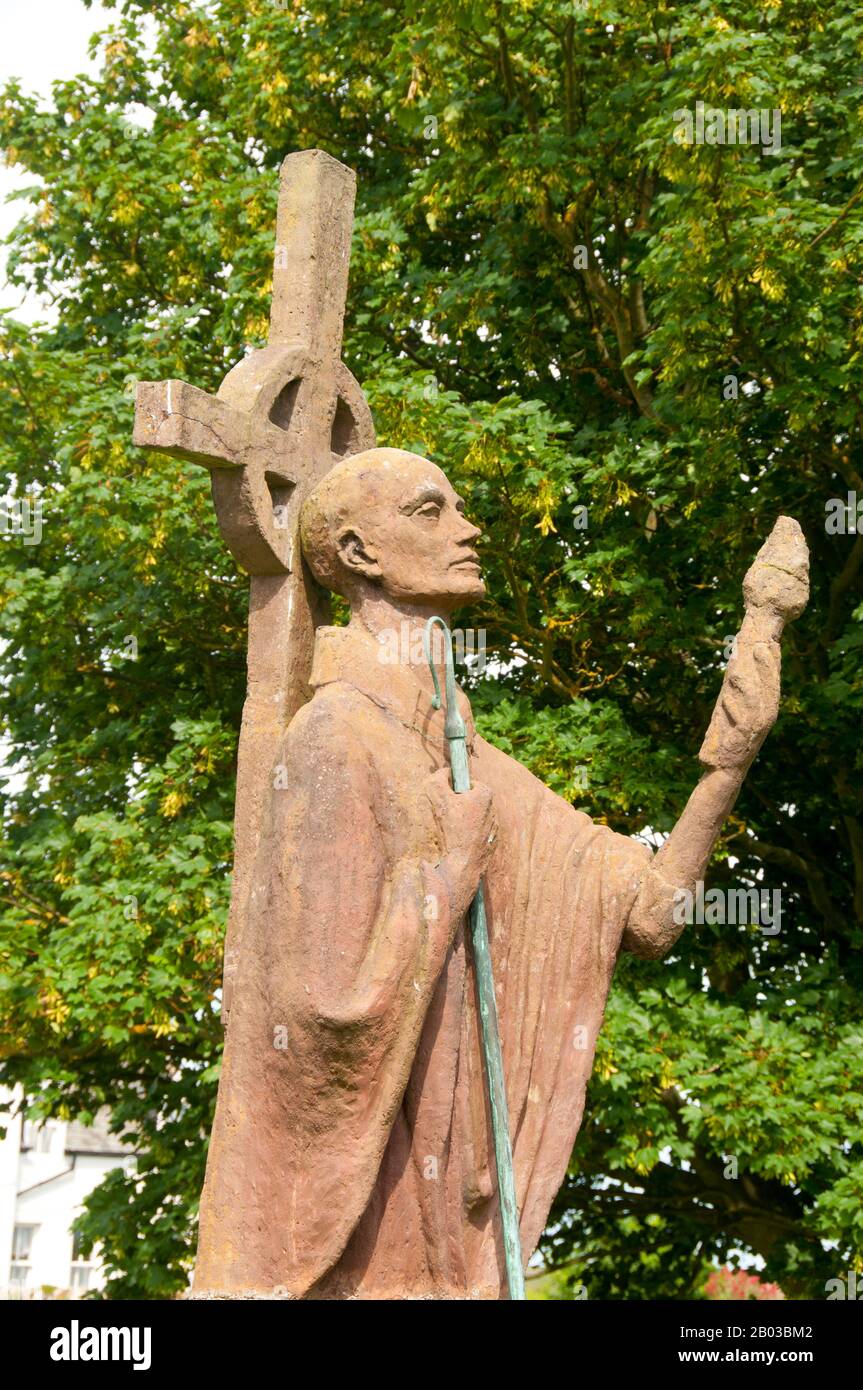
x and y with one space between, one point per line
351 1152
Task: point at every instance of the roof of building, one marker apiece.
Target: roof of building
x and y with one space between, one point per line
96 1138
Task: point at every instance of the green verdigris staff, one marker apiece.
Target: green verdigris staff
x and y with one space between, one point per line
456 736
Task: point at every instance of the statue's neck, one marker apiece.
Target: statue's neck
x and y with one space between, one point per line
398 627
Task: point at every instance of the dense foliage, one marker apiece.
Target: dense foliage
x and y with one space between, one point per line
568 309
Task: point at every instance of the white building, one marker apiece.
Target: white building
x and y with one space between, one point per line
46 1171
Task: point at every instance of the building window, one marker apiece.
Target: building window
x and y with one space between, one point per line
37 1136
22 1242
19 1272
79 1276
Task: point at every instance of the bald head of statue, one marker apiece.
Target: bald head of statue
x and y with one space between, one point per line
390 521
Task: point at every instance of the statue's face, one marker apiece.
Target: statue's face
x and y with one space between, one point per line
410 537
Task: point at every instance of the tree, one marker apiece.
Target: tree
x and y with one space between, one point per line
630 354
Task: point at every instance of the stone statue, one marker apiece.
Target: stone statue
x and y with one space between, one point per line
353 1161
351 1150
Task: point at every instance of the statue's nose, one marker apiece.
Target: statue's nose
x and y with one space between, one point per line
469 531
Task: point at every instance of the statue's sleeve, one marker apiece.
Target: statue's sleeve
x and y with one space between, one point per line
365 926
348 938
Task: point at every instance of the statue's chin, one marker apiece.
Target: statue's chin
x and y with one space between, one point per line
475 590
458 598
464 589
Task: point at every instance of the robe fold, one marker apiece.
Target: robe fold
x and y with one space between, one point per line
351 1150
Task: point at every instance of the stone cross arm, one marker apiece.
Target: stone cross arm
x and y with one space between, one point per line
183 421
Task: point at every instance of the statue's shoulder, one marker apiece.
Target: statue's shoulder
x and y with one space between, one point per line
507 778
337 717
495 765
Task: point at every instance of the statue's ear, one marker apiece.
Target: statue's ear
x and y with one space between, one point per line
355 555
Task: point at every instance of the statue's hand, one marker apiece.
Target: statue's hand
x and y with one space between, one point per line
467 826
775 591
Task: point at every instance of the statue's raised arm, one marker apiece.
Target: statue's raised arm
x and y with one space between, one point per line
775 591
